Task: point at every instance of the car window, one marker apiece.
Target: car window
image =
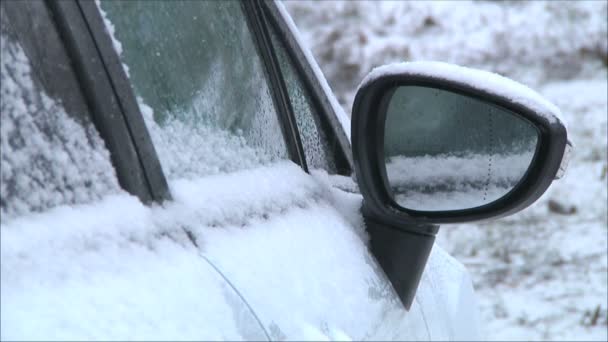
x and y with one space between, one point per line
318 148
200 82
49 156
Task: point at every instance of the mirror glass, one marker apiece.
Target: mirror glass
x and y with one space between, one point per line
446 151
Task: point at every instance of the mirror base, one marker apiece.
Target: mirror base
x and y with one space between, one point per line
402 255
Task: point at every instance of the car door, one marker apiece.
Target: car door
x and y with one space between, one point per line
82 256
229 119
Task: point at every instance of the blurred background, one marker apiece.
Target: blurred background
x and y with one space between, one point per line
541 274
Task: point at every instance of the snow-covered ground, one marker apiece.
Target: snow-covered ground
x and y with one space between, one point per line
541 274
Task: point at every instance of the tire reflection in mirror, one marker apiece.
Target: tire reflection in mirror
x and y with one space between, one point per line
447 151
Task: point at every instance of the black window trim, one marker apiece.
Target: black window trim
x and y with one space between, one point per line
114 108
111 100
130 109
253 13
313 86
140 137
107 89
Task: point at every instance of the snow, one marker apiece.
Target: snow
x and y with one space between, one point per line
48 158
211 135
73 274
110 27
277 253
190 149
294 248
531 42
117 269
541 274
112 32
208 133
475 78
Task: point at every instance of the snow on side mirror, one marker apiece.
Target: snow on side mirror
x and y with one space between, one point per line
438 143
435 143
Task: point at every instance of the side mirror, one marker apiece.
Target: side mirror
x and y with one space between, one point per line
436 143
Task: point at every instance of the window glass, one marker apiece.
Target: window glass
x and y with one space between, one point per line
200 82
47 157
318 150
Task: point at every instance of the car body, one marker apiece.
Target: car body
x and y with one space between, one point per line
181 170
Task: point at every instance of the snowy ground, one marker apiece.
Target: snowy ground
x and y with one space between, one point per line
541 274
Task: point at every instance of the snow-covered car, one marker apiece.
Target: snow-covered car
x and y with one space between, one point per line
180 170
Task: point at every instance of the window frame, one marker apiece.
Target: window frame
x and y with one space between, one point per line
259 31
138 132
67 61
263 15
132 113
119 123
108 89
320 99
113 107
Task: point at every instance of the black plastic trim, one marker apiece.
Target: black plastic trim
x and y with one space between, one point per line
368 149
155 178
313 86
101 97
401 255
253 13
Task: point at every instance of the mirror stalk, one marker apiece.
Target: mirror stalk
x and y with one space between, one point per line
402 255
402 236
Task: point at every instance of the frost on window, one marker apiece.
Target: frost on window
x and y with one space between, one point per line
201 85
47 157
315 143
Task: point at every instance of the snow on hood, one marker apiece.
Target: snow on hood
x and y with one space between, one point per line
478 79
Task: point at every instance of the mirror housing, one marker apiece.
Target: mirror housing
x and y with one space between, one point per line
401 239
368 125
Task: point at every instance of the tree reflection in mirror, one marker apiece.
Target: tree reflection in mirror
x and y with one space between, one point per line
447 151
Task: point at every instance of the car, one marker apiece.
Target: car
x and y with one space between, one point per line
180 170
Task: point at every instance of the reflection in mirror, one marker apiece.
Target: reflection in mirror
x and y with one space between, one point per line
446 151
